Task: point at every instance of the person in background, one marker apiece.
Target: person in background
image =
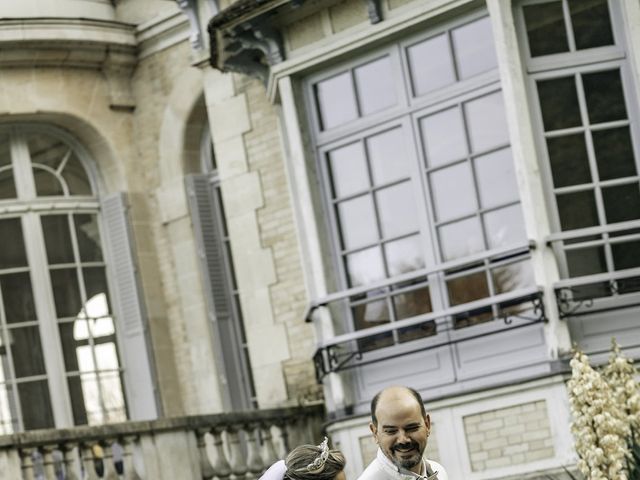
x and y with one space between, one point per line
401 427
309 462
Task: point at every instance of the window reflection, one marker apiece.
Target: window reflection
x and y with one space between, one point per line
97 365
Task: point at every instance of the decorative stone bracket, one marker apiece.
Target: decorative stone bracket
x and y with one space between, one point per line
117 69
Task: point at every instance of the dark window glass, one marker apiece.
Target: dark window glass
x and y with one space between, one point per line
559 103
76 177
7 185
47 184
569 160
577 210
26 351
621 203
17 297
614 153
66 292
546 28
605 98
95 282
36 405
467 289
12 254
413 303
626 255
586 261
591 23
57 239
88 237
69 344
77 401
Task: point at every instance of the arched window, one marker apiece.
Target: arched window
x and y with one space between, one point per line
59 357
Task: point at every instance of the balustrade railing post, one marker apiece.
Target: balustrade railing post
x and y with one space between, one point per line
70 461
284 437
254 461
208 470
26 461
221 466
236 458
109 461
130 472
48 462
270 455
89 462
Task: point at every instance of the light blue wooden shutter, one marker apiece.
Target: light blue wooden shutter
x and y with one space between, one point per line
205 216
131 321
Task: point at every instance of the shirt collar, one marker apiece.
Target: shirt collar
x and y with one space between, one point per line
403 473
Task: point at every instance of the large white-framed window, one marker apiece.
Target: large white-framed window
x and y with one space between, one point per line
60 355
413 152
586 113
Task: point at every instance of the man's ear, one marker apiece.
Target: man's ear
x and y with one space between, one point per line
427 422
374 430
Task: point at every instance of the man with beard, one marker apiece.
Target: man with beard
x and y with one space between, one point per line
401 426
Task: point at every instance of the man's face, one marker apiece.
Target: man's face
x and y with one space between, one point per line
402 431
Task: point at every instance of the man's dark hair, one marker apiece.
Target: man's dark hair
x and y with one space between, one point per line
414 393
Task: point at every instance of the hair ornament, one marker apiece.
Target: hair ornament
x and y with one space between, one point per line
318 463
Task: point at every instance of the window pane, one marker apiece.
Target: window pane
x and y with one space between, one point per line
545 28
455 202
467 289
47 184
404 255
5 151
7 185
376 88
66 292
559 103
397 209
512 277
605 98
496 178
76 177
505 227
569 160
461 239
591 23
577 210
8 411
348 170
586 261
422 330
70 341
57 239
369 315
26 350
112 397
357 222
614 153
487 123
36 405
473 46
106 356
88 236
12 254
365 267
77 401
431 65
336 101
444 137
47 150
621 203
413 303
95 284
388 156
626 255
17 297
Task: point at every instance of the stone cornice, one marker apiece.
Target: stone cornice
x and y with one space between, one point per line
76 43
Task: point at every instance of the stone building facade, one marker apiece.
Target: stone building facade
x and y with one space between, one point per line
212 206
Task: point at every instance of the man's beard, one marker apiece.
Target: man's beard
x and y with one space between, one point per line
406 463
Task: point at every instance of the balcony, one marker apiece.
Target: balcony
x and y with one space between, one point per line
221 446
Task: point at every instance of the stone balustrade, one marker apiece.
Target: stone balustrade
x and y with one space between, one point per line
229 446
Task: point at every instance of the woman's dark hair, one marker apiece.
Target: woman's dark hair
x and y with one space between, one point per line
304 456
